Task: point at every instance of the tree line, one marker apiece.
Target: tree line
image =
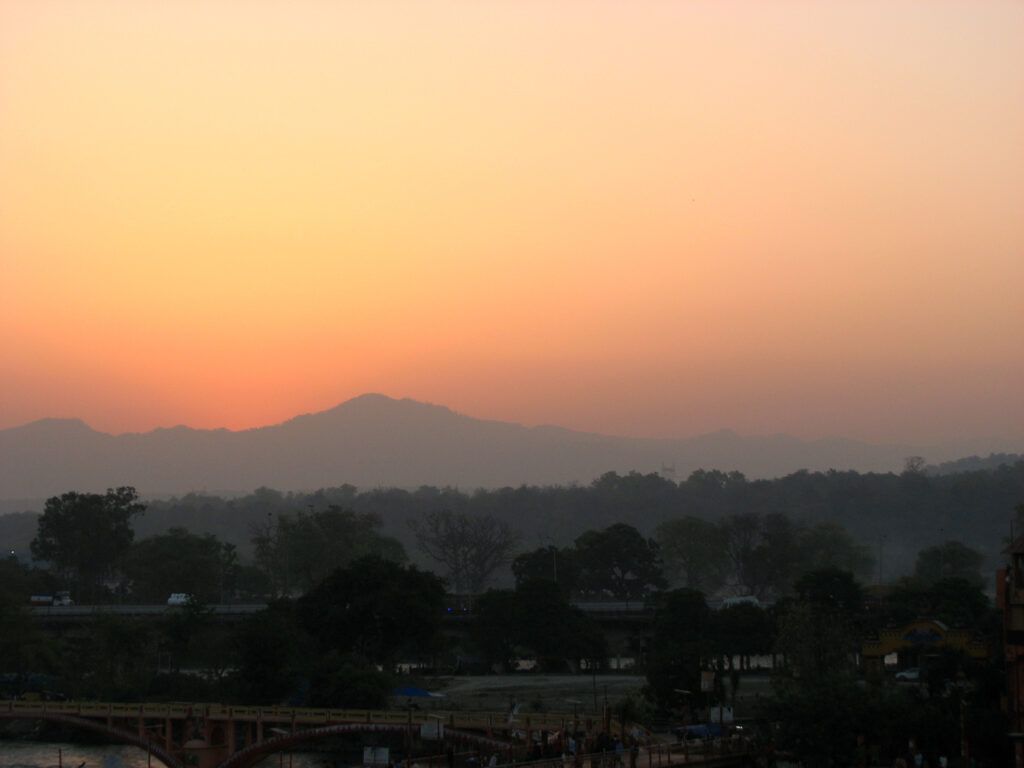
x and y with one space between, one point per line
346 607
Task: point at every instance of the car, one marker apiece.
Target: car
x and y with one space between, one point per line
910 675
179 598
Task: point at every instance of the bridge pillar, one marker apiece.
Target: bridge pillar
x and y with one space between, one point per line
231 737
168 734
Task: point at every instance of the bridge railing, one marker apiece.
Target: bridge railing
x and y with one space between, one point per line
497 721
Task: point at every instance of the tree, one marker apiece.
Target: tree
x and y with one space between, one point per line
270 647
770 566
741 630
829 545
557 633
496 628
679 644
471 548
345 682
376 609
832 591
179 561
817 639
299 549
618 562
951 560
955 602
741 533
551 564
85 535
693 551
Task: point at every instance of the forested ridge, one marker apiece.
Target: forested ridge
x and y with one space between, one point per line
896 515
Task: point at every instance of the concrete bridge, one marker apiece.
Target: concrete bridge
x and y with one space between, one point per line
218 736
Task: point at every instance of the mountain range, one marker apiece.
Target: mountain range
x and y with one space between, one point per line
374 440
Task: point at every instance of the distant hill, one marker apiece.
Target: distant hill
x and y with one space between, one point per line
373 440
975 463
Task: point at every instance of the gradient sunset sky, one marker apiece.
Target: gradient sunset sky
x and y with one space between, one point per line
641 218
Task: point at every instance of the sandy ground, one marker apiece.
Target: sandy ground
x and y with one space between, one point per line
556 693
534 692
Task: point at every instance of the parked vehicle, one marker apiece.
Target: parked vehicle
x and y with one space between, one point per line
910 675
179 598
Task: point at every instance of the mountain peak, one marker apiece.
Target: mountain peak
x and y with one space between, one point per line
52 424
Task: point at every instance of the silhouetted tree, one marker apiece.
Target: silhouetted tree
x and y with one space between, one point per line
680 641
693 551
471 548
548 563
618 562
86 534
376 609
952 560
179 561
299 549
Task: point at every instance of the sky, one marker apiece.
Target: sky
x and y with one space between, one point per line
644 218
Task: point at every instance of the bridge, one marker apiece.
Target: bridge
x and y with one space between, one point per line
219 736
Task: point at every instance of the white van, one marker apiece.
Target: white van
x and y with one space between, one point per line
179 598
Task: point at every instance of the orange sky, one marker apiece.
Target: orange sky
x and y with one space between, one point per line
653 218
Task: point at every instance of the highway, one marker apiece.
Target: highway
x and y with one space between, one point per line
80 611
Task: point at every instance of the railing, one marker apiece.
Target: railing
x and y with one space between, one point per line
299 715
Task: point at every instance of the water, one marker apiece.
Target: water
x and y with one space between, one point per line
33 754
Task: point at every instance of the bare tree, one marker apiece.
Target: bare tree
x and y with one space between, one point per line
471 548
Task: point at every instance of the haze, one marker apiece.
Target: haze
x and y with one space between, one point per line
648 219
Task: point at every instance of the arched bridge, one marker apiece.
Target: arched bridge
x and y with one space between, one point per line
218 736
211 735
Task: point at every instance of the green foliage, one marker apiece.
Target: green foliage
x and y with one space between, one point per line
951 560
535 619
496 629
694 552
179 561
820 719
680 640
955 602
111 658
297 550
831 590
269 648
618 562
85 535
556 632
816 640
549 563
376 609
341 681
741 630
